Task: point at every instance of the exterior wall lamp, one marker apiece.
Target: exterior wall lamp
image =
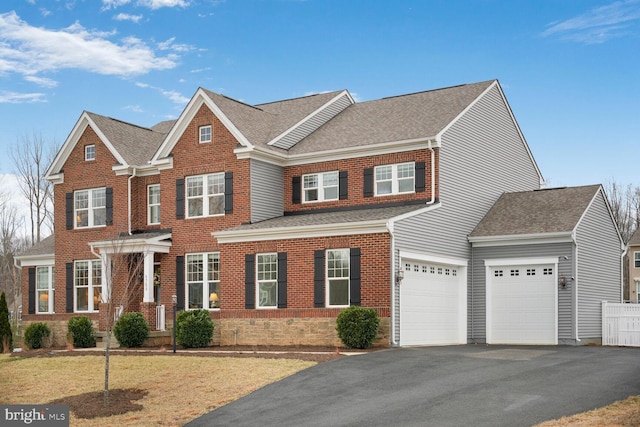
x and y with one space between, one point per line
399 276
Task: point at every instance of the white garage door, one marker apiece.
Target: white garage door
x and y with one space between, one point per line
433 304
522 304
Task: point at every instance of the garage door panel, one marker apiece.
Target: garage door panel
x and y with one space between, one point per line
521 305
431 308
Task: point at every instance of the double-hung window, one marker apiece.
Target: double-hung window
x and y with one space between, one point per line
395 179
338 273
45 286
205 134
203 280
636 259
205 195
89 152
319 187
87 284
153 206
90 207
267 280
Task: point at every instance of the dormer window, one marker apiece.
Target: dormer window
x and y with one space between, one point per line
89 152
395 179
205 134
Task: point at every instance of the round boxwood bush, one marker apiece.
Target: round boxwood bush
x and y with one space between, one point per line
357 326
35 334
81 330
194 328
131 329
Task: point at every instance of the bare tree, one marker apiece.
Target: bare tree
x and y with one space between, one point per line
625 204
31 157
10 244
124 274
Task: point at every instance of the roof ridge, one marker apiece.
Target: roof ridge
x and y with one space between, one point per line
302 97
233 99
123 122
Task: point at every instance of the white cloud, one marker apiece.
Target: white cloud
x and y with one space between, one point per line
599 24
176 47
41 81
157 4
112 4
134 108
29 50
172 95
7 97
127 17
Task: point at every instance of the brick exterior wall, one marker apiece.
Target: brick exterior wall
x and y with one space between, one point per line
298 324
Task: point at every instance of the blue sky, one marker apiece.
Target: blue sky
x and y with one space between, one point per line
570 68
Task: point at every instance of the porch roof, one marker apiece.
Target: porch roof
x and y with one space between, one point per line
152 241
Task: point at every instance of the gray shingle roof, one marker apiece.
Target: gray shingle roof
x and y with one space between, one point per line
635 239
553 210
135 144
46 246
338 217
405 117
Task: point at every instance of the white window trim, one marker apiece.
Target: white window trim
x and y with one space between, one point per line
200 129
205 280
50 290
86 152
91 308
204 196
151 205
395 181
258 282
328 279
321 187
90 208
636 258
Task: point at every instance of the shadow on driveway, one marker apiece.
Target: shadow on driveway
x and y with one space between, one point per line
475 385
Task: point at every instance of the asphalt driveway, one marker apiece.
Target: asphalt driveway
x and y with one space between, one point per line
471 385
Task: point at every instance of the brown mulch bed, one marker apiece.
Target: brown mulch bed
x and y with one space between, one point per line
91 405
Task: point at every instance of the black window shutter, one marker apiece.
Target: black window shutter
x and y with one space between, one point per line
109 205
368 182
420 176
354 276
343 185
296 190
179 198
69 287
228 192
249 281
69 210
180 283
282 280
32 290
318 278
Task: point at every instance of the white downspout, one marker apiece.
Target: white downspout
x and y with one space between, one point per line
575 283
433 175
129 199
394 339
624 253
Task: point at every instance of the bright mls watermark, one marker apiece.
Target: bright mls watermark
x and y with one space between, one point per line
36 415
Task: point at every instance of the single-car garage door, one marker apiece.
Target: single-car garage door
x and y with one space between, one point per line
522 304
433 304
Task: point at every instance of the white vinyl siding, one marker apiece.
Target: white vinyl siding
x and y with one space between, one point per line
267 191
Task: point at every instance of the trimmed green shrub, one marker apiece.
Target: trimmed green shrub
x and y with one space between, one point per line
194 328
5 327
357 326
35 334
81 330
131 329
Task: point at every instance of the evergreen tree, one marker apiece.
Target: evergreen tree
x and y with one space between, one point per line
5 326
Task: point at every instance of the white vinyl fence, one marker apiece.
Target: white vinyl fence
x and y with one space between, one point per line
620 324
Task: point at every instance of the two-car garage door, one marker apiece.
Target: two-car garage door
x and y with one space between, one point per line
521 303
433 304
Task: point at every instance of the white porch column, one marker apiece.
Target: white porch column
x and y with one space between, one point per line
148 277
107 280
